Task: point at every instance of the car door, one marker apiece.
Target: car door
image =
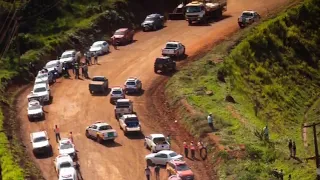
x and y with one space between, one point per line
160 158
93 130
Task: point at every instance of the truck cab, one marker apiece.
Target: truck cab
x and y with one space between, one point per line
123 106
98 84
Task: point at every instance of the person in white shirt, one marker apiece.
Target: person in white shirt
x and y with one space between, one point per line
210 121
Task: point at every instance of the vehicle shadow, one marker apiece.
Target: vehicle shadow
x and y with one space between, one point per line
39 119
136 93
168 74
133 136
184 57
110 144
102 94
44 155
211 21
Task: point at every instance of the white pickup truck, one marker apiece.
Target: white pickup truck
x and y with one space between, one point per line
156 143
129 123
123 106
174 49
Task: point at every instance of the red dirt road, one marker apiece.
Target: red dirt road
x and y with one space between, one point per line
74 108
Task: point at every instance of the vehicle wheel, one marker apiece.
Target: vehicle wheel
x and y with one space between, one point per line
87 134
149 162
99 140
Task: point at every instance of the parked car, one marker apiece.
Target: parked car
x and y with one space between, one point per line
156 142
100 47
123 106
153 22
44 77
164 64
67 147
35 110
54 65
174 49
68 56
174 177
132 84
40 142
63 161
180 168
40 92
123 36
129 123
116 93
69 173
101 132
162 157
98 84
247 18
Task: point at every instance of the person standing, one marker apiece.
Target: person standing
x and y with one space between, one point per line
76 66
147 172
186 150
71 137
85 69
157 172
266 133
193 150
169 139
210 121
294 148
290 147
96 58
57 133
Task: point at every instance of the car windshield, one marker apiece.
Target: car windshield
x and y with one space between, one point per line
65 165
98 79
39 139
173 154
171 46
97 45
122 105
51 65
66 146
34 107
131 83
40 89
182 167
105 127
117 92
193 9
159 140
67 56
150 19
131 119
119 33
247 14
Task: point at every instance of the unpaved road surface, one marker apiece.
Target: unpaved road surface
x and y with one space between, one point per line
74 108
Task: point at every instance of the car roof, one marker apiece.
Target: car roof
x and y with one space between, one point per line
163 57
123 100
52 62
122 29
98 42
67 172
166 151
157 135
129 115
40 85
153 15
39 134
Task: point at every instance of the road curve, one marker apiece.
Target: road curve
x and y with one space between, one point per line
73 107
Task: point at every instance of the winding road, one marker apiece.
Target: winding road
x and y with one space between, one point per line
74 108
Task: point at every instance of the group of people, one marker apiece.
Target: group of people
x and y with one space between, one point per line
156 172
292 148
200 146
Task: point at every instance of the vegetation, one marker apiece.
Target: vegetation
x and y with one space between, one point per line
273 76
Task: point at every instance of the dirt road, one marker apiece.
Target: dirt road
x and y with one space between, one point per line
73 108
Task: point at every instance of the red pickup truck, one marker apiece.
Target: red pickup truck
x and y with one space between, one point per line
123 36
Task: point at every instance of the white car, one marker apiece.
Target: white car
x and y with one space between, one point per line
100 47
132 84
63 161
40 142
174 49
67 147
162 157
54 64
44 78
247 18
40 92
116 93
69 173
123 106
156 142
101 132
129 123
35 110
68 56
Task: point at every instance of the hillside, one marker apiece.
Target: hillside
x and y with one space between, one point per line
273 76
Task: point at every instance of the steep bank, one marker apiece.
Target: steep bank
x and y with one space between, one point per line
273 77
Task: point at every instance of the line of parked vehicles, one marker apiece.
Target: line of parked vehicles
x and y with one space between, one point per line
65 163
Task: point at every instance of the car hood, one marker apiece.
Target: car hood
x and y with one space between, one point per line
185 173
147 22
66 151
92 49
40 144
118 36
35 111
66 59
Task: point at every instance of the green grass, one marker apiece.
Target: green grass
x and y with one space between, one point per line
275 67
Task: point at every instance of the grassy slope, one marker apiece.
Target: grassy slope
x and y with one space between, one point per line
283 80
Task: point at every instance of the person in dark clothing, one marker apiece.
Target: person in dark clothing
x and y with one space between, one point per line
73 68
294 149
114 43
32 68
157 172
65 70
289 178
76 66
57 133
186 150
290 147
147 172
96 58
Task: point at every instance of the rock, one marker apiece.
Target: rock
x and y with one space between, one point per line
229 98
209 93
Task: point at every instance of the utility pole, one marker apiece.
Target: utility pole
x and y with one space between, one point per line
316 151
